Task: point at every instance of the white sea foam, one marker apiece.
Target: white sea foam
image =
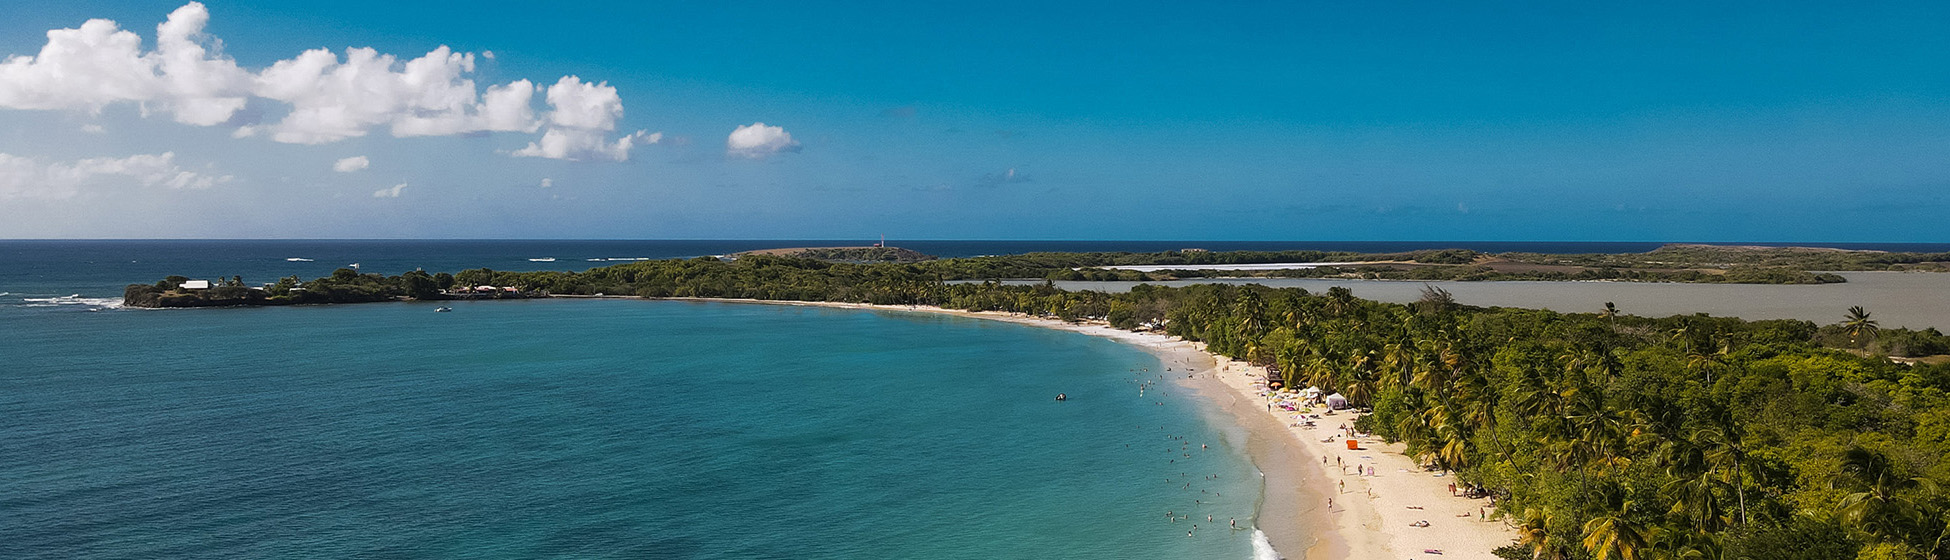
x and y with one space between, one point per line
75 299
1262 548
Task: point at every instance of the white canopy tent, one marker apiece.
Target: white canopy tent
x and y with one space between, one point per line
1336 401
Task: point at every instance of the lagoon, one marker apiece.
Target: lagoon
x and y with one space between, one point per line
1897 299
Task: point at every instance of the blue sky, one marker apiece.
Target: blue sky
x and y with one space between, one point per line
1275 121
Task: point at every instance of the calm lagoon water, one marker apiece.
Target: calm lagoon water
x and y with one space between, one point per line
596 429
1895 299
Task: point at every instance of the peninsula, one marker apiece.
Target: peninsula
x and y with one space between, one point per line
1600 434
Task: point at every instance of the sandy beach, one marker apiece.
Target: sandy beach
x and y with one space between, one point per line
1372 516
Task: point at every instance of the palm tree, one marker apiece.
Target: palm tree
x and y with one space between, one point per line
1534 532
1696 497
1610 313
1858 325
1726 451
1399 359
1340 300
1879 506
1706 361
1612 535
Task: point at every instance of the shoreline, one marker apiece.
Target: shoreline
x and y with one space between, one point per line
1371 515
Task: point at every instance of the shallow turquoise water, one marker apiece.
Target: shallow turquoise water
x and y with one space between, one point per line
596 429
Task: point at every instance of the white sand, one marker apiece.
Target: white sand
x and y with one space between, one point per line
1370 517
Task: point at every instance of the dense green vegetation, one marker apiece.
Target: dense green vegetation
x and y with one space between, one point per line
343 286
1602 435
850 254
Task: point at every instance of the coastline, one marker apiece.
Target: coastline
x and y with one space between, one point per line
1371 515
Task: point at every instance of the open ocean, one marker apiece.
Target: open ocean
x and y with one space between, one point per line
574 428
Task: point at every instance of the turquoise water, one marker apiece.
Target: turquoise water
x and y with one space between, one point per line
596 429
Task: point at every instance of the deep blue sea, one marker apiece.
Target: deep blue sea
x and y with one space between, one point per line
575 428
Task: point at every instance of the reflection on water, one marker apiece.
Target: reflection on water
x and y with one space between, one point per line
1898 299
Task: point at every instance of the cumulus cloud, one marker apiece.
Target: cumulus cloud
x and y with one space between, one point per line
389 192
27 177
580 118
333 99
100 63
330 98
757 140
351 164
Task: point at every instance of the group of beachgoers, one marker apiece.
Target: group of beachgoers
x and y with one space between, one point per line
1182 451
1300 407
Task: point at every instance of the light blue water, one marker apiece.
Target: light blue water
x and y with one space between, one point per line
595 429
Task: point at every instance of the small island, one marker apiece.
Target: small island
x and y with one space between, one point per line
343 286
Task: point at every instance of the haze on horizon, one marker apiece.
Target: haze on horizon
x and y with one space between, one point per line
1009 120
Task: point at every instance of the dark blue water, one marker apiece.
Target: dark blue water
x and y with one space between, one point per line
596 429
100 269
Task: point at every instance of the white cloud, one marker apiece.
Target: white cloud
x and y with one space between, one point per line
200 87
26 177
547 182
330 98
351 164
390 192
100 63
581 117
757 140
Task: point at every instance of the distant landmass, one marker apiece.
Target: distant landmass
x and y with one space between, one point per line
847 254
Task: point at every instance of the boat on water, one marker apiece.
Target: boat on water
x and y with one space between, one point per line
298 259
543 259
443 310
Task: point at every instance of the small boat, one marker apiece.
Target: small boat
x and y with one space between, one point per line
297 259
543 259
443 310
